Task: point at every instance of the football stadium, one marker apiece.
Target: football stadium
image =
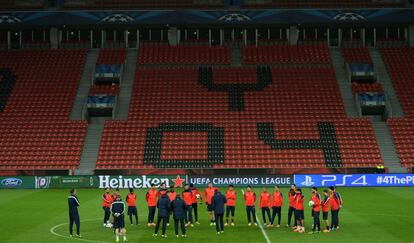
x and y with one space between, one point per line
207 121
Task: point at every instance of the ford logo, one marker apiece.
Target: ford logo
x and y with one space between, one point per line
11 182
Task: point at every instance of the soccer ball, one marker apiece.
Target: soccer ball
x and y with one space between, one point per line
311 203
198 196
116 215
108 225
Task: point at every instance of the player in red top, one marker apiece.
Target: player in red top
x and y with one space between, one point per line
265 203
291 211
315 203
151 199
299 214
277 202
115 194
208 194
250 200
107 200
163 190
171 195
187 196
325 209
196 196
231 203
131 199
336 204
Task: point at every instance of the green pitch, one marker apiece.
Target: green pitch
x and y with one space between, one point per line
369 215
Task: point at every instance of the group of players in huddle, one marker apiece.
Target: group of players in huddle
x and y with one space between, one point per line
184 208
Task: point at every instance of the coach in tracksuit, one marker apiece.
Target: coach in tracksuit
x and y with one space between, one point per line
164 206
179 208
217 204
73 202
118 212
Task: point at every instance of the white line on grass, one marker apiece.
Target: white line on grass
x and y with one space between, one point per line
261 226
379 214
52 230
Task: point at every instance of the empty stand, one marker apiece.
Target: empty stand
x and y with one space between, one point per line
22 4
296 120
320 3
286 54
127 4
400 65
36 132
363 87
111 56
356 55
162 53
106 90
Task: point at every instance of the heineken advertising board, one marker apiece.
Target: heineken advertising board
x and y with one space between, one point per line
103 181
143 181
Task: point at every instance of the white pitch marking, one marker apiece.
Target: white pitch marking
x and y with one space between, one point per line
379 214
261 227
52 230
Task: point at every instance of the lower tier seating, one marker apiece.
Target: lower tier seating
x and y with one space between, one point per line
286 54
356 55
400 65
284 118
402 130
162 53
38 88
321 4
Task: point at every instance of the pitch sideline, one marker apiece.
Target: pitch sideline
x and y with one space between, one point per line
261 226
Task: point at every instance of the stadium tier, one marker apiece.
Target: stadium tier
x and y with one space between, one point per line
320 4
38 89
104 90
163 53
22 4
111 56
367 87
400 65
125 4
286 54
237 117
356 55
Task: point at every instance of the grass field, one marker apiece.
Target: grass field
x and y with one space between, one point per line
369 215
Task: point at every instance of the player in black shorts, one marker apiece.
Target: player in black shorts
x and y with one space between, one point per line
118 212
325 210
299 215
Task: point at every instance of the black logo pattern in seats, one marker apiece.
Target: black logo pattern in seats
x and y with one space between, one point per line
6 86
327 142
154 139
236 91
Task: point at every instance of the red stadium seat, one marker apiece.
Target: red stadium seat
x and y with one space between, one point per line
36 132
296 101
400 65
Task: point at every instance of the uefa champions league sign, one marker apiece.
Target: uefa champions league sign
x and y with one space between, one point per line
270 180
